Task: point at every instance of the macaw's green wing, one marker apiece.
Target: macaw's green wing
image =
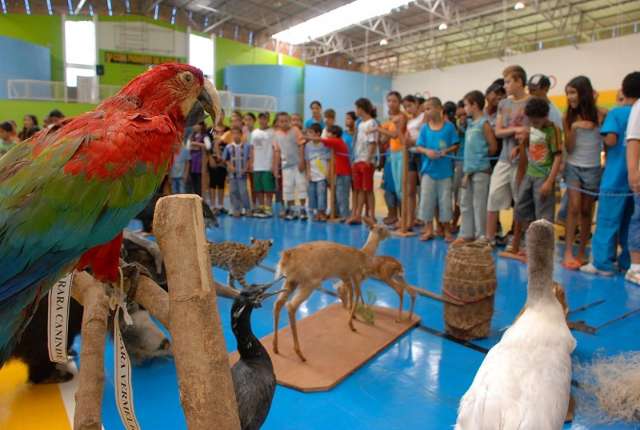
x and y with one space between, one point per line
74 188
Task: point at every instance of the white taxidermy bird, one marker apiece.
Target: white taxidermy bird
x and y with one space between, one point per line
524 382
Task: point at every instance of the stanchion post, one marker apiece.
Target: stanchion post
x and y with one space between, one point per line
405 216
332 187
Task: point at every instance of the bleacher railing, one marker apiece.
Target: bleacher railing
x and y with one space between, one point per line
91 92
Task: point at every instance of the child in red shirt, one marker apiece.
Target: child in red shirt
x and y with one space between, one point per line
334 142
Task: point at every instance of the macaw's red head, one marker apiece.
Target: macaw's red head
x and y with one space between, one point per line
178 90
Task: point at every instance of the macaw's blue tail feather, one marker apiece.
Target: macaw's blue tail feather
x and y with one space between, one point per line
35 272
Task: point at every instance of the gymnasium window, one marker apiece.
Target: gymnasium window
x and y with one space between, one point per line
79 50
201 54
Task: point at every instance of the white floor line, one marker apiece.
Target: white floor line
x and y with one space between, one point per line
68 391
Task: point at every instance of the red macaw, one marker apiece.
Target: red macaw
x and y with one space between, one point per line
67 193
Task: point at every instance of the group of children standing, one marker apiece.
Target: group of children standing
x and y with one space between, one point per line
287 161
512 145
501 149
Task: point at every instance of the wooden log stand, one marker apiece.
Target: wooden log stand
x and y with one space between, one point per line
189 311
204 377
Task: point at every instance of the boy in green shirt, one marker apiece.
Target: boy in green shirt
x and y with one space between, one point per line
536 172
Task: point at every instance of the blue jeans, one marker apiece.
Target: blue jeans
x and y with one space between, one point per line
612 227
178 186
473 205
634 226
317 192
436 193
395 158
564 207
343 188
391 199
238 193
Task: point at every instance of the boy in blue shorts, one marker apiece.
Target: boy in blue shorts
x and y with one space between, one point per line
614 209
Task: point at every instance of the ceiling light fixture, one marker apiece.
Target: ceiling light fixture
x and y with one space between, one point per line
519 5
384 42
337 19
443 26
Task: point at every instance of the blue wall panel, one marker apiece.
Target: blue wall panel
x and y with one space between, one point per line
282 82
339 89
23 60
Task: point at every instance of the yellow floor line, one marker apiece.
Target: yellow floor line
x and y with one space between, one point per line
29 407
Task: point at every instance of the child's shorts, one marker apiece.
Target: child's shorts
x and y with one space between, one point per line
294 184
587 178
217 177
362 173
531 205
264 182
502 188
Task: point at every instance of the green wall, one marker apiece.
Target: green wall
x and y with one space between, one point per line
41 30
229 52
47 31
17 109
120 74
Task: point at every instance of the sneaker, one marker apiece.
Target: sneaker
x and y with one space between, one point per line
483 240
593 270
503 240
223 211
268 212
303 214
289 215
633 276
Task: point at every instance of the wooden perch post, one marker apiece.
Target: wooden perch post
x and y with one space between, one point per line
204 377
91 294
405 215
333 214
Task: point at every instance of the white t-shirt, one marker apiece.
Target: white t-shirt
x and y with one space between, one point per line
364 138
414 125
633 127
262 142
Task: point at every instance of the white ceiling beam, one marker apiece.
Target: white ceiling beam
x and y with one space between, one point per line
79 7
216 24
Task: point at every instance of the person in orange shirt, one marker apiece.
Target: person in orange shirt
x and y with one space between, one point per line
393 131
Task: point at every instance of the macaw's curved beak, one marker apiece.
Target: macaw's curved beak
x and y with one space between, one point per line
208 101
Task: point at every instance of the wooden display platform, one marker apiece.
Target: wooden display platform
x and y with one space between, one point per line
332 350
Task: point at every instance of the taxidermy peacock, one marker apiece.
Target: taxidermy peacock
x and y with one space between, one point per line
254 381
67 193
524 382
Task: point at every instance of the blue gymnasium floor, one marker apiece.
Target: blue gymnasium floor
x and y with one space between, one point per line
417 381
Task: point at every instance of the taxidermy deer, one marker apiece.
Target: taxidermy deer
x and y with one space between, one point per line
382 268
389 271
377 233
305 267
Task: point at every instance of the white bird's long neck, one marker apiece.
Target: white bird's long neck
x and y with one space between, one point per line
540 263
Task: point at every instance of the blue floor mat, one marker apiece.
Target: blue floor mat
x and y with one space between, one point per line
418 380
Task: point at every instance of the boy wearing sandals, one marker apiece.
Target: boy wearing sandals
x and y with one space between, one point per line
437 140
537 171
